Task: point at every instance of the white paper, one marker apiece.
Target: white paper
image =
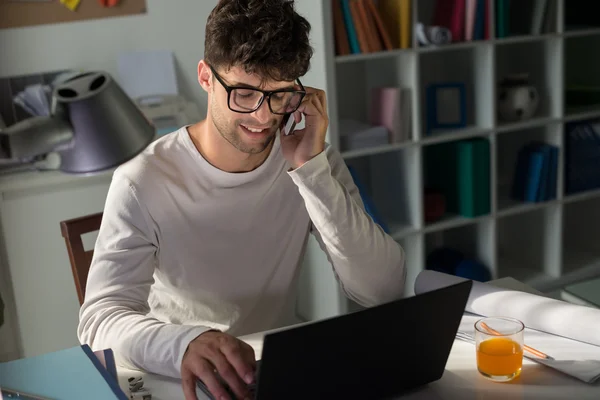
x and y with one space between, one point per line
567 332
34 100
147 73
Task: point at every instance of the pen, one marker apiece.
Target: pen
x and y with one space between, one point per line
528 348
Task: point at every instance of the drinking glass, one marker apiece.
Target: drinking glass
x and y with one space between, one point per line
499 344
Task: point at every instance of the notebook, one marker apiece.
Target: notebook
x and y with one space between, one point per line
70 374
566 332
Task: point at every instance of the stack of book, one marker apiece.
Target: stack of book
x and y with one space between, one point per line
535 173
366 26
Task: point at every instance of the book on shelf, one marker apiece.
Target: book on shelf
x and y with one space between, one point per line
473 177
535 173
360 27
451 14
461 172
397 17
370 208
582 156
525 17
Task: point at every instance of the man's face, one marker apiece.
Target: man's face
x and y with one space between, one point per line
250 133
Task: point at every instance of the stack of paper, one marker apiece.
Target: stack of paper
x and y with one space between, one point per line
569 333
356 135
34 99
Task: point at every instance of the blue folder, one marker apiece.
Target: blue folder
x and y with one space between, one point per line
71 374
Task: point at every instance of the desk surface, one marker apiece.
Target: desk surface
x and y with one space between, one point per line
460 381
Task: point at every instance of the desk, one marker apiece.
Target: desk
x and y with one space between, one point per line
460 381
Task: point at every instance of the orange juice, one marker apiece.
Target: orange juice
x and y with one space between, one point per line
500 357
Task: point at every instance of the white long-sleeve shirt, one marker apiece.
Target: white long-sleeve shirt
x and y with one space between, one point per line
185 247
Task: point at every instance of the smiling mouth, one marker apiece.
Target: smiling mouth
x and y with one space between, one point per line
255 129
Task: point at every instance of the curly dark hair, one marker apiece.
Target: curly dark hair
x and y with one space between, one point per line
263 37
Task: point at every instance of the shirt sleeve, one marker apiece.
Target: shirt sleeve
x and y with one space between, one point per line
367 262
115 311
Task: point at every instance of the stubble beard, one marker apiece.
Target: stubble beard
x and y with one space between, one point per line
231 134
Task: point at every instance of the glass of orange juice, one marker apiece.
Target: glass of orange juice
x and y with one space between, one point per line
499 344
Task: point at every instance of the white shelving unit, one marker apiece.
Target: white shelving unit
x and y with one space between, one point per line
544 244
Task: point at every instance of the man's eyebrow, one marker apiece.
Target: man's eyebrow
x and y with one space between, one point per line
245 85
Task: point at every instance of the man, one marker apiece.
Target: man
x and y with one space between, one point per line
203 233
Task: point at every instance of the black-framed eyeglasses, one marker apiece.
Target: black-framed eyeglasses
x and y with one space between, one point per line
244 99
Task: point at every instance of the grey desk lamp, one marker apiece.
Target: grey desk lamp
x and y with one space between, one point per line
93 126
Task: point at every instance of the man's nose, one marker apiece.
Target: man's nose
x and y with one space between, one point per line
263 113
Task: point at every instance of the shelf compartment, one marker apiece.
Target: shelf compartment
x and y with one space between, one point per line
580 236
356 84
528 246
512 157
530 18
390 182
577 17
444 78
582 156
437 13
536 62
582 81
457 181
474 243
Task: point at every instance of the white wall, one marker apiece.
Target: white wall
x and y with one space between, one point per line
176 25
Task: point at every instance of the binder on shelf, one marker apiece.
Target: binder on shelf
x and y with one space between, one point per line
342 45
70 374
502 18
396 15
382 31
461 172
451 14
350 29
582 156
361 30
535 173
473 177
359 27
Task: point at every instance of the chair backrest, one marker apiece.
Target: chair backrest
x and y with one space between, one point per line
81 259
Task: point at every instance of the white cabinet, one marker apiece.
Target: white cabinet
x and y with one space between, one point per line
44 299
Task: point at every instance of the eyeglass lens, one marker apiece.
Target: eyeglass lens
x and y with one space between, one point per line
245 100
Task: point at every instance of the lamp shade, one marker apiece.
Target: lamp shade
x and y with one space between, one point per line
108 128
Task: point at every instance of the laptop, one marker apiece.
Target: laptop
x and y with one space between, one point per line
376 353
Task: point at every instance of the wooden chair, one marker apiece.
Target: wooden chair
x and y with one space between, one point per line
81 260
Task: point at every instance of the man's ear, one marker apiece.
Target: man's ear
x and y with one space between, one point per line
204 76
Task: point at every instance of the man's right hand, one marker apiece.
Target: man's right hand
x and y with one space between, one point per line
214 353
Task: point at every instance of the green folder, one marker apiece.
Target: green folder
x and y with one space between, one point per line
473 177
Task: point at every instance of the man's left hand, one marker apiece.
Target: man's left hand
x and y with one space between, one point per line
304 144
